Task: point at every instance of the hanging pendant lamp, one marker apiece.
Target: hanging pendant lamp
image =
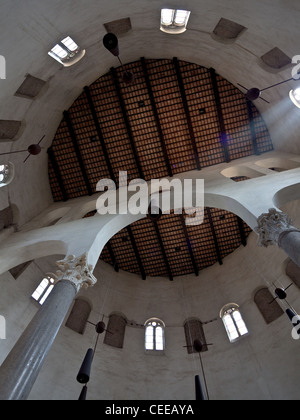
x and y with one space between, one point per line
199 389
84 373
111 43
255 93
82 396
33 150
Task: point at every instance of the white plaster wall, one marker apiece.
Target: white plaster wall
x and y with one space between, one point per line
263 365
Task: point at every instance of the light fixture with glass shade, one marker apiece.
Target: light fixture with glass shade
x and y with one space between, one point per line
174 21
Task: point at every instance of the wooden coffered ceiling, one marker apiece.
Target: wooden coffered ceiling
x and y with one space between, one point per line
176 117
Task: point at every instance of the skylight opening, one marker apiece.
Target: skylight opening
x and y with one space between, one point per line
70 44
174 21
67 52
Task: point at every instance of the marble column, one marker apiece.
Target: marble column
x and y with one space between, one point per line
19 371
276 228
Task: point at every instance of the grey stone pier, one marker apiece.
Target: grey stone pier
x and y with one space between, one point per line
276 228
20 370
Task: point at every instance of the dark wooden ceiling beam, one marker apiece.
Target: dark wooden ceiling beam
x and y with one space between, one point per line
242 231
112 256
213 231
187 111
136 252
99 132
189 245
57 172
252 127
222 126
163 251
156 117
127 123
78 153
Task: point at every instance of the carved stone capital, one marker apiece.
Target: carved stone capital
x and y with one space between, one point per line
76 270
270 226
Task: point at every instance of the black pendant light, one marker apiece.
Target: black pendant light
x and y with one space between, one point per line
84 373
33 150
281 293
255 93
200 396
111 43
82 396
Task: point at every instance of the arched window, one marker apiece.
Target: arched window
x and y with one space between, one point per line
43 290
233 322
7 172
155 335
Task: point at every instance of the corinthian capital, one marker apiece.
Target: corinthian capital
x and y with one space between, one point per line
77 271
270 226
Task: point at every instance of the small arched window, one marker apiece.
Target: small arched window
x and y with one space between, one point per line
233 322
154 335
7 172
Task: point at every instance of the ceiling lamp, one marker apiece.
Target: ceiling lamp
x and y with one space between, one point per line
174 21
111 43
33 149
255 93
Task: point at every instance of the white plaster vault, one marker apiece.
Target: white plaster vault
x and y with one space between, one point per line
74 235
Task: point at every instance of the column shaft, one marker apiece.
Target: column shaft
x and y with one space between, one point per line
22 366
290 242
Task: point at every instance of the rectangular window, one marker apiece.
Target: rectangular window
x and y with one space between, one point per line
43 290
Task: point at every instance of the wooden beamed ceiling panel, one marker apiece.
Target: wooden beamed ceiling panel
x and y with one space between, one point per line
176 117
202 244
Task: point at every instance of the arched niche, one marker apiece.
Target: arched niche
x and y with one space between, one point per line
268 307
79 315
115 332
